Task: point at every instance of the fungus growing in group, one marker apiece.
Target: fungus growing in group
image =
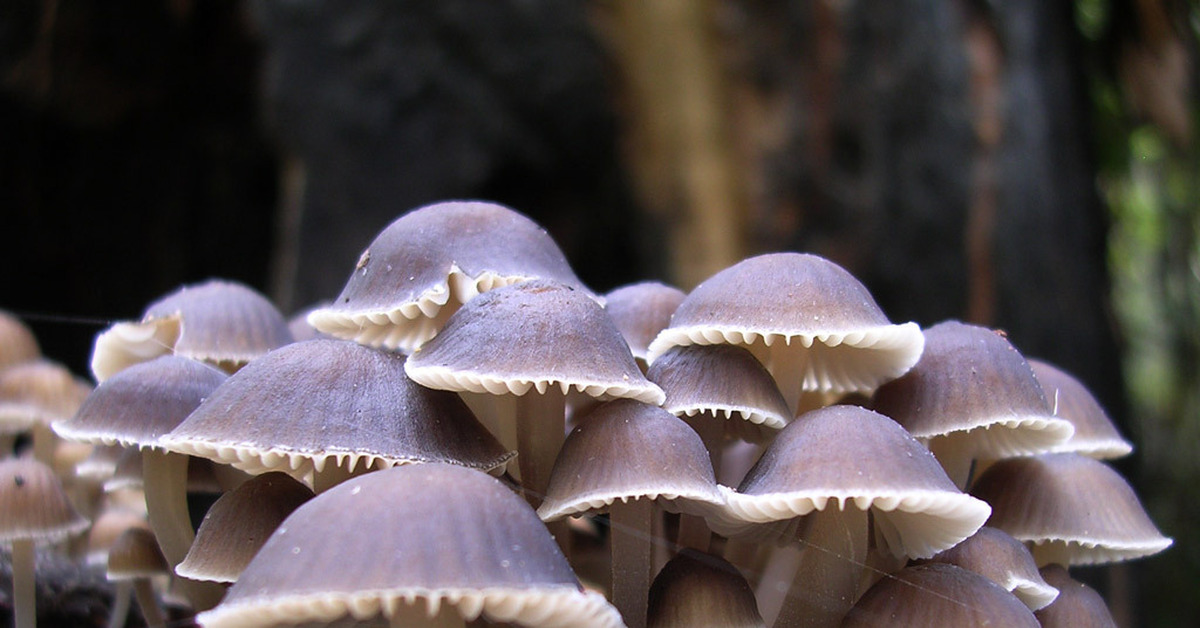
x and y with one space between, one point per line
697 589
322 410
222 323
640 311
938 594
134 561
33 395
995 554
459 545
427 263
530 343
972 397
34 511
809 321
1095 435
1077 604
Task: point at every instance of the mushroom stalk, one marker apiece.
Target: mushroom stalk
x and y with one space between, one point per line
632 549
541 430
831 565
787 366
147 599
24 584
417 614
122 595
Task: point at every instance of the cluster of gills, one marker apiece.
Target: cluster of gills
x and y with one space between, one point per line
469 435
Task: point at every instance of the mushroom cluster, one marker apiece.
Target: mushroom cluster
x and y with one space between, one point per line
467 434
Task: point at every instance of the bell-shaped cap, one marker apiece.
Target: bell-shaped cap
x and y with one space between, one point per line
36 392
696 589
642 310
434 535
1072 509
847 455
430 261
1077 604
1095 435
995 554
938 594
33 504
135 554
223 323
332 402
816 308
17 342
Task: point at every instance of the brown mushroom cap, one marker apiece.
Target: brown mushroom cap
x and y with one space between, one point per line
38 392
813 306
135 554
995 554
238 524
1095 435
455 537
223 323
332 402
1077 603
33 504
17 342
1074 510
938 594
107 528
842 455
642 310
695 589
428 262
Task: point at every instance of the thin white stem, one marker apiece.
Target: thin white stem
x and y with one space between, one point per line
632 556
24 581
147 599
787 365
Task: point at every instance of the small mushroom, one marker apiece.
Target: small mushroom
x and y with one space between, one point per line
995 554
33 395
17 342
640 311
1077 604
136 559
1095 435
695 589
938 594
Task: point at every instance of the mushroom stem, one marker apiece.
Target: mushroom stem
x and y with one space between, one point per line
122 595
164 480
711 429
632 554
787 366
24 582
541 430
498 414
147 599
417 614
333 474
834 555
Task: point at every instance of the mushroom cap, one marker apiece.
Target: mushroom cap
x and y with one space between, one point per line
532 335
938 594
238 524
142 403
107 528
975 389
1095 435
33 504
624 450
38 391
135 554
432 257
325 401
220 322
995 554
17 342
696 589
802 300
642 310
1073 509
454 536
723 381
1077 604
848 455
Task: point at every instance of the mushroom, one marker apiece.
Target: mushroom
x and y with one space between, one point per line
423 266
809 321
223 323
34 510
640 311
972 397
1072 509
324 409
1077 604
698 589
624 457
531 343
995 554
17 342
458 545
938 594
1095 435
134 560
33 395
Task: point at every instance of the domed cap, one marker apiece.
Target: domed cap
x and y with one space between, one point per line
1074 510
642 310
135 554
33 504
938 594
140 404
975 395
1004 560
532 335
38 392
811 305
17 342
454 537
238 524
425 264
847 454
1077 603
223 323
695 589
1095 435
625 450
332 402
107 528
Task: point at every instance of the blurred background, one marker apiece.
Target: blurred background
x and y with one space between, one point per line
1028 165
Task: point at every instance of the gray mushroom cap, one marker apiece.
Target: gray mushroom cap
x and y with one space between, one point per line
1095 434
453 536
696 589
993 553
426 263
1077 604
642 310
938 594
324 402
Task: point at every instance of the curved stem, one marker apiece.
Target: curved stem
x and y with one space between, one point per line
24 584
